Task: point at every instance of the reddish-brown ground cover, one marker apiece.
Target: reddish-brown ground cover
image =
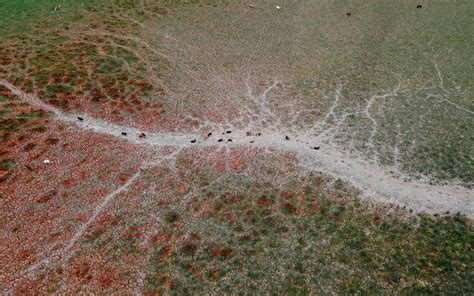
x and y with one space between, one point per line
44 204
114 252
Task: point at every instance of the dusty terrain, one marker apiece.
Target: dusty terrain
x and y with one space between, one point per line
225 147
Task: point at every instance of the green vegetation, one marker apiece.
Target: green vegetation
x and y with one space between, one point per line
18 16
235 233
275 244
301 242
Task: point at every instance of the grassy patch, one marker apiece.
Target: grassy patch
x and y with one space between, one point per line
304 238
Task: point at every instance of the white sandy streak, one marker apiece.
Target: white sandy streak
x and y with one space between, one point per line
99 210
102 126
373 179
444 98
62 253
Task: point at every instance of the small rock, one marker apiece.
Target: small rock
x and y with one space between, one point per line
80 118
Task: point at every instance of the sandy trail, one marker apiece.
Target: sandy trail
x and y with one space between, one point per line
375 181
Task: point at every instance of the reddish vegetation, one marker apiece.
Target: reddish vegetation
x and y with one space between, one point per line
46 219
263 200
161 238
83 169
222 252
166 252
291 209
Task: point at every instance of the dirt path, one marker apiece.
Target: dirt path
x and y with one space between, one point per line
375 181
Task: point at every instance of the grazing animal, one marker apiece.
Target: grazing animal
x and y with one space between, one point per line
80 118
287 138
124 133
220 140
228 132
348 14
316 147
229 140
419 6
259 134
142 135
209 134
193 141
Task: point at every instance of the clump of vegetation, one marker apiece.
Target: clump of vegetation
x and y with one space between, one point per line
6 168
